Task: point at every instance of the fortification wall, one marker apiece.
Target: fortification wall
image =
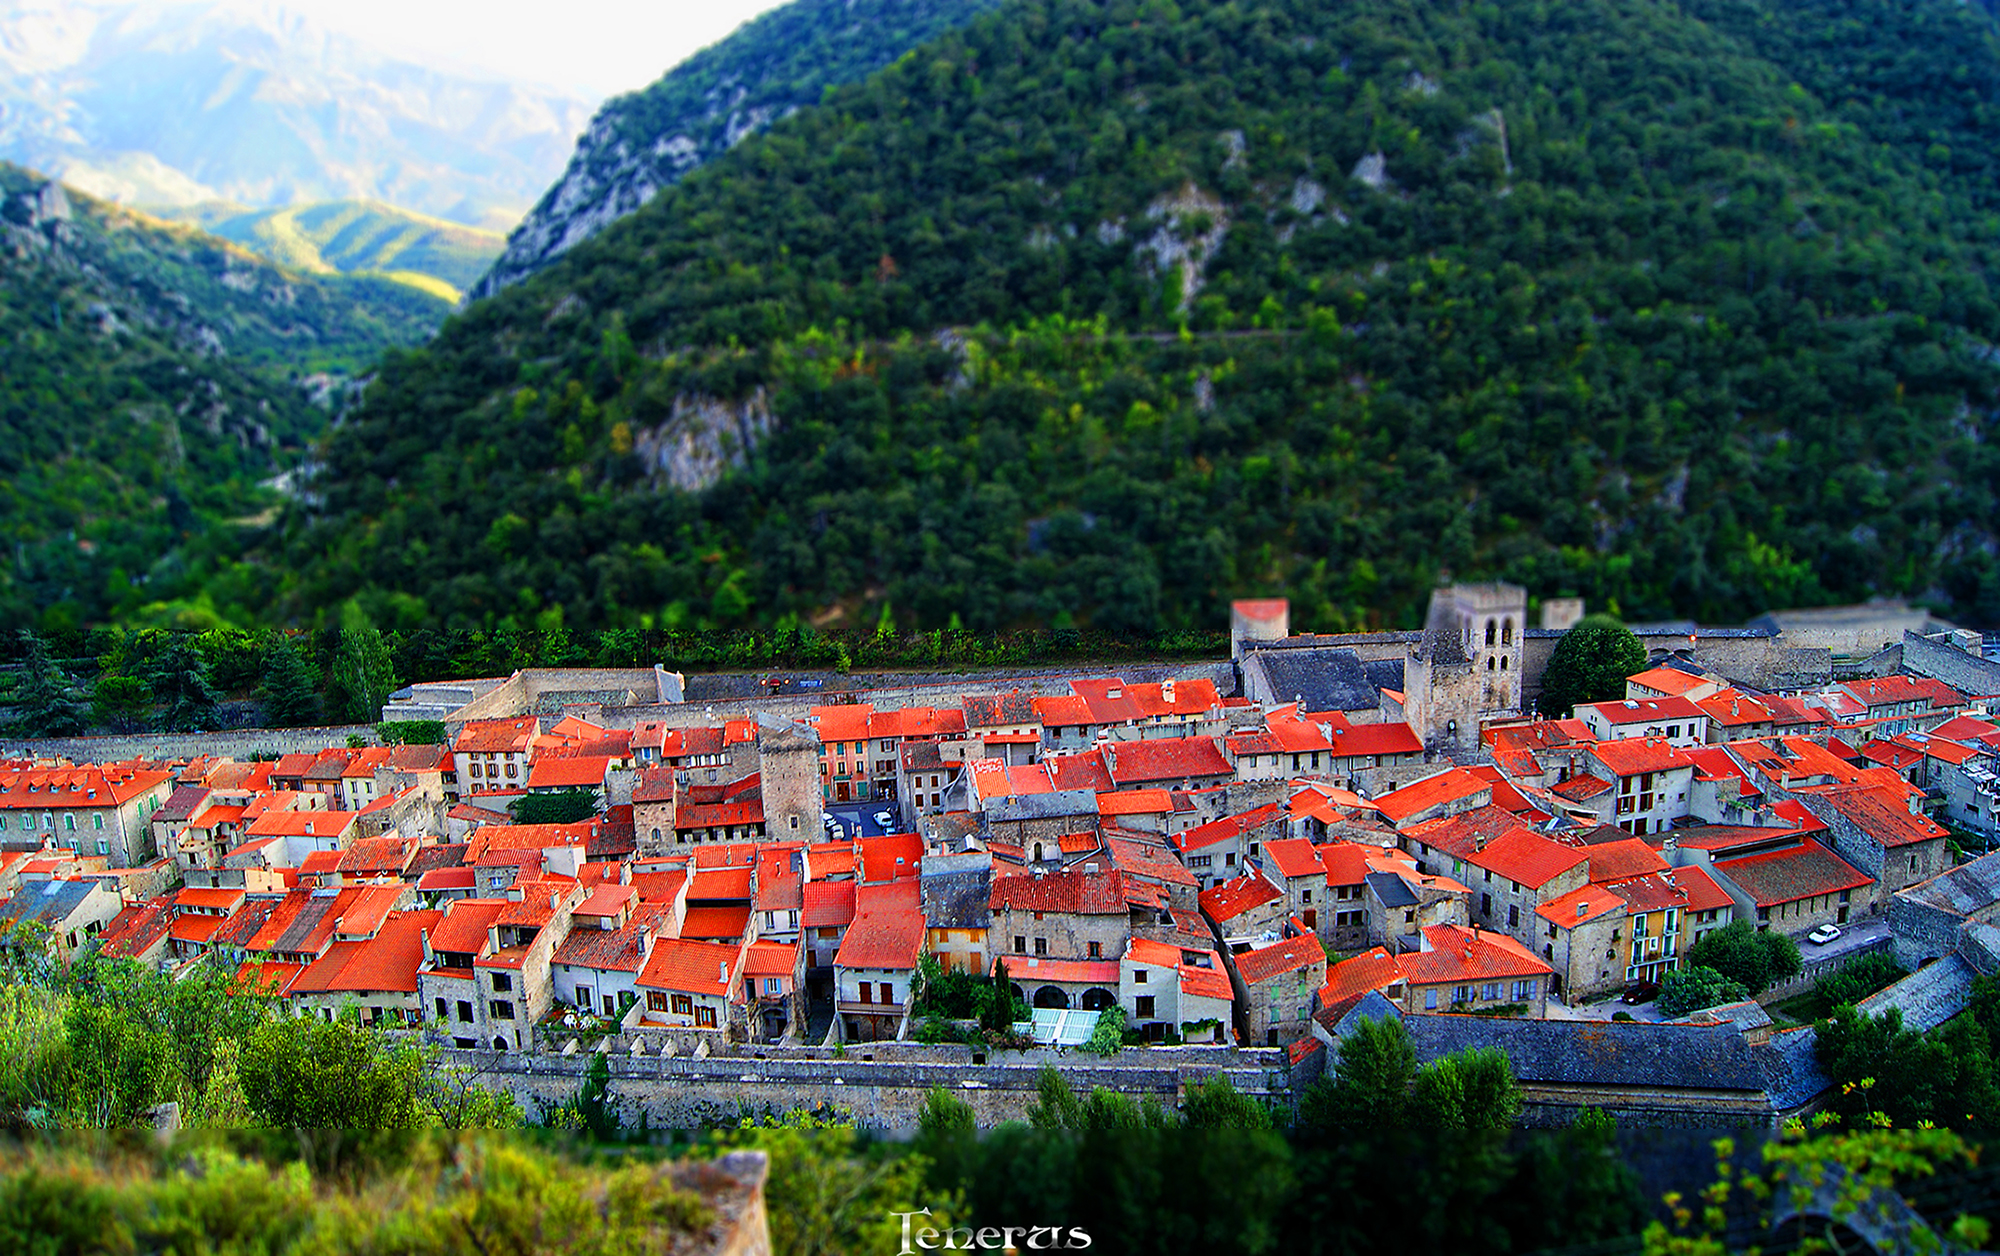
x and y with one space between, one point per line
885 1093
236 743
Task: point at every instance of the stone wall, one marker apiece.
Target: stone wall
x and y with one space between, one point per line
884 1093
235 743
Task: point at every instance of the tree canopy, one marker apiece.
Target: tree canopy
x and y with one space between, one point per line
1590 664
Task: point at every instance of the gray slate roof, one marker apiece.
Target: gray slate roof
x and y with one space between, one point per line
1054 805
1963 890
958 900
1391 889
50 902
1326 679
1927 997
1599 1053
1792 1074
180 805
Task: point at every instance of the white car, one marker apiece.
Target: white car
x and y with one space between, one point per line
886 820
1823 935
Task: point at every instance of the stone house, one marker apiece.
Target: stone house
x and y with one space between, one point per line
1469 969
1164 987
73 912
1651 782
1876 829
957 891
611 936
1078 913
99 808
1675 719
686 985
1221 849
1929 919
1514 874
1245 911
877 962
1293 865
374 972
1794 889
1005 724
1276 988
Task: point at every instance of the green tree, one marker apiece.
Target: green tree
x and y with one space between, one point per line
364 675
1107 1037
290 696
828 1195
47 700
121 702
1374 1069
1590 664
338 1085
1692 988
1910 1076
1752 958
1217 1105
566 806
178 679
1472 1093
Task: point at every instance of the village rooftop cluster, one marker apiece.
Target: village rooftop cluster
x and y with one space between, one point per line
1248 855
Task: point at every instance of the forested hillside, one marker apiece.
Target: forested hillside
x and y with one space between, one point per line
150 378
356 238
1109 312
768 68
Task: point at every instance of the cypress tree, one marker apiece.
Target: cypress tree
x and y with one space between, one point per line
180 684
47 700
290 697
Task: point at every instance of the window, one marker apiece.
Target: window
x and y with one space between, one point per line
1097 950
888 992
1020 945
1486 904
867 992
502 1009
502 982
1524 991
773 986
1461 994
1139 977
1306 896
684 1005
1514 917
1490 991
444 1008
705 1017
1144 1006
1431 1000
1041 946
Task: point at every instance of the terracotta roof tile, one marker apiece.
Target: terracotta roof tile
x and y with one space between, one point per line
1291 955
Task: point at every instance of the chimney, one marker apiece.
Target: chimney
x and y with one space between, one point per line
1090 869
723 971
1167 689
424 936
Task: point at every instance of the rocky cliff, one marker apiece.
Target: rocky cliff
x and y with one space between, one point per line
703 107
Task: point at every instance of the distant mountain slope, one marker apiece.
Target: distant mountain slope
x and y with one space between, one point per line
356 237
1598 297
174 104
772 65
150 378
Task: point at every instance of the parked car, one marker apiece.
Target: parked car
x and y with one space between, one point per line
1641 992
886 820
1823 935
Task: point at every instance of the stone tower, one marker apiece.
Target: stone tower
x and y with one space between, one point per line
1466 669
788 758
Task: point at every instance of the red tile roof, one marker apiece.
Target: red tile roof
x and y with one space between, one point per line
1526 857
1641 710
1387 737
495 736
1360 974
891 858
1294 857
1615 861
1346 863
829 904
1805 871
1582 787
1452 785
1883 816
1291 955
726 923
1637 755
1229 828
720 885
1167 759
1703 894
567 771
1466 955
386 962
1134 802
1062 711
462 930
689 967
1079 771
888 928
1669 681
1580 906
1225 902
1071 890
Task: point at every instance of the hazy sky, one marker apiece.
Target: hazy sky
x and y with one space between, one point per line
596 47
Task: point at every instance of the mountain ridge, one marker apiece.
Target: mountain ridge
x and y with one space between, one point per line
150 104
152 378
644 141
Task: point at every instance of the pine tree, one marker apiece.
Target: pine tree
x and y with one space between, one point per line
290 700
47 700
180 684
1590 664
363 673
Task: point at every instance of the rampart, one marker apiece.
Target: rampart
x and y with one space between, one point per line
236 743
884 1093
